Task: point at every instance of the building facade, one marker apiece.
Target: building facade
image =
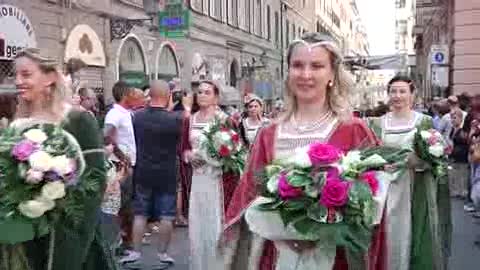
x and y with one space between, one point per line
447 46
96 32
404 22
236 43
241 44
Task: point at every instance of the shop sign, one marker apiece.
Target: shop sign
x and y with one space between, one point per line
174 19
16 32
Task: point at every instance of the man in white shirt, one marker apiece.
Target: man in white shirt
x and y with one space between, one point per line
118 121
119 129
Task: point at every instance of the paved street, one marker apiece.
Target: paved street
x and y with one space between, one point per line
465 256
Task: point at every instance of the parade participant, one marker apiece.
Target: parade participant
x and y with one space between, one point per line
211 188
317 109
253 120
417 210
42 100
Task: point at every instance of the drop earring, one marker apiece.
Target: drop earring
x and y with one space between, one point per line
330 84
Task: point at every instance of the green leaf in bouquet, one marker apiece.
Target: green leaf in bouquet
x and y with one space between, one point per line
270 206
297 178
390 154
359 191
353 237
14 231
373 161
273 169
360 207
43 226
319 178
22 170
318 213
312 230
288 215
312 191
296 204
272 183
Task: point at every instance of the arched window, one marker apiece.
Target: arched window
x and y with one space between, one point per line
167 64
131 66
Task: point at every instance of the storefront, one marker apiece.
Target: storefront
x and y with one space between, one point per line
83 43
132 67
16 33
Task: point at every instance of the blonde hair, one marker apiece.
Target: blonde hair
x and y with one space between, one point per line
53 104
338 95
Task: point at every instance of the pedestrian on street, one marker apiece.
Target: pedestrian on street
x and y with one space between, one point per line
459 157
88 100
119 128
157 133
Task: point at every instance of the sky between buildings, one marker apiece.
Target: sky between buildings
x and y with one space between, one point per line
379 19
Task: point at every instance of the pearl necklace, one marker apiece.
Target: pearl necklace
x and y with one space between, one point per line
310 126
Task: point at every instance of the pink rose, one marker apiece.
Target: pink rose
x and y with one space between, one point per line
286 191
371 179
334 193
34 177
323 154
432 140
22 150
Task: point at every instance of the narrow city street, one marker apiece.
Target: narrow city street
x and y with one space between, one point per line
465 255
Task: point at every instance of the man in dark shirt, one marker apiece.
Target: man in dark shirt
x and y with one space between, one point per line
157 133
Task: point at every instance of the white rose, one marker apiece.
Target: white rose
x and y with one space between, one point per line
40 161
221 138
352 159
301 158
425 134
436 150
35 208
53 190
62 165
226 137
35 135
49 204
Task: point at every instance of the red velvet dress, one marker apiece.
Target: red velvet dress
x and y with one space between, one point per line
347 136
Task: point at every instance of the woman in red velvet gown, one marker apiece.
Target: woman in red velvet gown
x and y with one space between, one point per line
317 92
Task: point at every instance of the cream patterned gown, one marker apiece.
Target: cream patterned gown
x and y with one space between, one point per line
206 210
